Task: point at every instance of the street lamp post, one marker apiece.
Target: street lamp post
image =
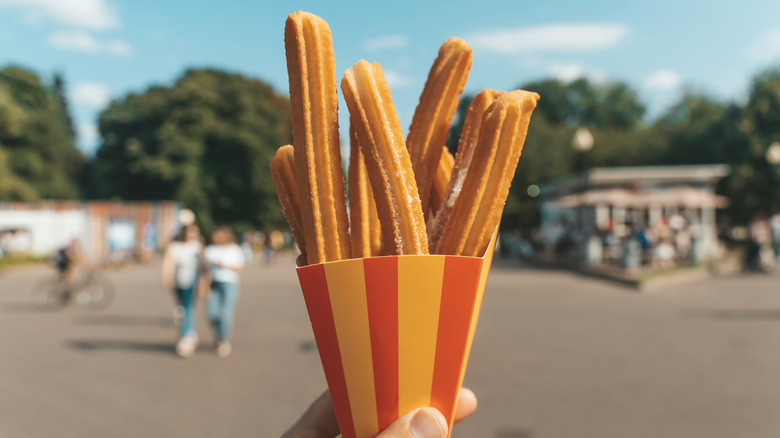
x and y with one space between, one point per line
773 153
772 156
582 142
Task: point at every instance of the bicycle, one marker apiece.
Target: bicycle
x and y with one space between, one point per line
92 291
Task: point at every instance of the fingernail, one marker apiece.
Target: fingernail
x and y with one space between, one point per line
426 424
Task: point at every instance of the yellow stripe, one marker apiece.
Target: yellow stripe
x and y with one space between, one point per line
420 280
487 260
347 291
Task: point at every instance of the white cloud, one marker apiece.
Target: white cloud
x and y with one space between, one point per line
768 46
663 80
94 15
77 41
548 38
567 72
396 41
118 47
395 79
92 94
572 71
80 41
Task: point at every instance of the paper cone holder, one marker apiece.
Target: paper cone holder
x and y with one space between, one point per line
394 333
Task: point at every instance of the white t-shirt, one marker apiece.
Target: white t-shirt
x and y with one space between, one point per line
186 255
228 256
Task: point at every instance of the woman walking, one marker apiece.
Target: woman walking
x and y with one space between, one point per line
182 266
226 262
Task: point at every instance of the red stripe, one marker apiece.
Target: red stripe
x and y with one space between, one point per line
381 275
315 292
459 291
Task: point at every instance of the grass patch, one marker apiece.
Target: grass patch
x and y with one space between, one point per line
21 259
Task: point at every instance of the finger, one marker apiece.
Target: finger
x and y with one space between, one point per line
467 404
420 423
319 421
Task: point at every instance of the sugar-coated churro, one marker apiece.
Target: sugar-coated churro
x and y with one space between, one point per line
466 144
477 211
314 107
443 174
283 174
433 115
365 231
387 159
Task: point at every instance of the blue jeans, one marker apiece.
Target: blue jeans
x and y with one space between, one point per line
186 298
222 305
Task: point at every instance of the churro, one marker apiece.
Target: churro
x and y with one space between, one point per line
314 107
477 211
387 159
283 174
464 153
443 173
365 231
433 115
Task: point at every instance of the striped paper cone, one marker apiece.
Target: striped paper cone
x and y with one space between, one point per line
394 333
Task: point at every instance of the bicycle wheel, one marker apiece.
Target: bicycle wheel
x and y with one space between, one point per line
96 295
50 295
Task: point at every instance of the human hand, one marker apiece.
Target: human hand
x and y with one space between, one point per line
203 287
168 285
319 421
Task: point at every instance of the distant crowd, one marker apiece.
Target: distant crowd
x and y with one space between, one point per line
671 240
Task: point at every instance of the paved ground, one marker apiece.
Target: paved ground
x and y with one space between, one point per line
556 355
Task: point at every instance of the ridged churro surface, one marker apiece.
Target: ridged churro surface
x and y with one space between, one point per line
466 144
365 230
314 107
387 159
443 174
477 211
283 174
435 111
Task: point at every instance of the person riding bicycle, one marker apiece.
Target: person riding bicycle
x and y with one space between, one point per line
66 260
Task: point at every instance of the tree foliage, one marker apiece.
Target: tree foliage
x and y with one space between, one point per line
37 156
207 142
695 130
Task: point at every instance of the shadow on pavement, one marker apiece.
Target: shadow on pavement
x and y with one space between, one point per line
307 346
95 345
733 314
126 320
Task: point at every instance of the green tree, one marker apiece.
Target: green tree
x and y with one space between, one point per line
613 114
35 142
611 111
754 184
11 187
583 103
64 110
207 142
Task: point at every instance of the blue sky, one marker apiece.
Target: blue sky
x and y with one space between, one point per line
107 48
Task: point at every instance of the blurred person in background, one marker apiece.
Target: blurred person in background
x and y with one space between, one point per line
268 248
226 261
759 240
774 223
663 254
247 242
182 266
277 241
66 260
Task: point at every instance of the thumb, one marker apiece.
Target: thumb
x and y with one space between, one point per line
420 423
